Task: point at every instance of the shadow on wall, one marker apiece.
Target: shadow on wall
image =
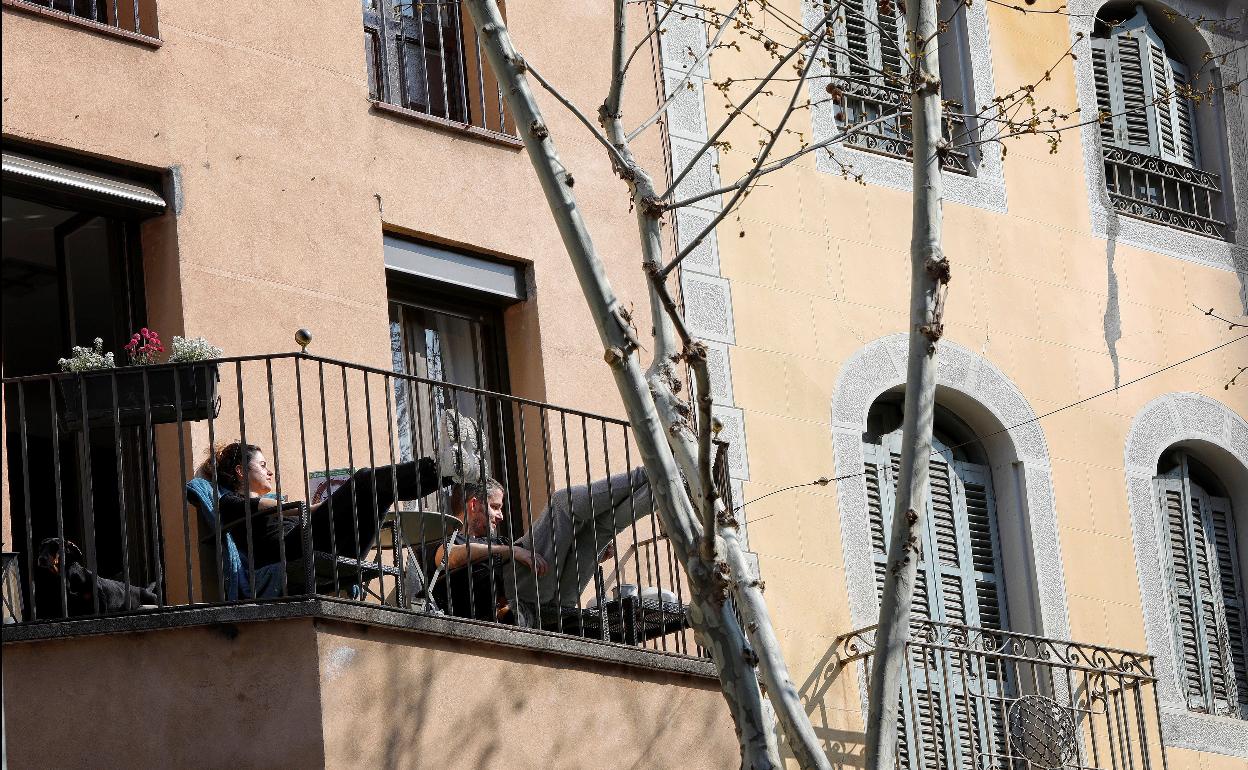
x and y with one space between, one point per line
844 747
428 702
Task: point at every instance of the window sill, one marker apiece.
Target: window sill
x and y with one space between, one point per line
464 129
85 24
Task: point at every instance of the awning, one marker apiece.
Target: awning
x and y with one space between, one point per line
434 263
25 171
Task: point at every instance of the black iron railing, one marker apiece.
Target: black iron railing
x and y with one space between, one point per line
975 698
116 501
1157 190
885 111
136 16
425 56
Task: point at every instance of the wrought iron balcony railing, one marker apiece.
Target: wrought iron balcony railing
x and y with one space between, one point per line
1157 190
116 501
979 699
865 102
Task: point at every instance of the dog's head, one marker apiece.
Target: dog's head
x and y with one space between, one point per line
55 553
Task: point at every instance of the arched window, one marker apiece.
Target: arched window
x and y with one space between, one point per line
869 76
960 582
1206 580
1151 103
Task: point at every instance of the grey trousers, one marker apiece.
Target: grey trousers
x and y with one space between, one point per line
571 534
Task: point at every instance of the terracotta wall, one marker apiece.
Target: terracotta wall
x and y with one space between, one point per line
305 693
395 700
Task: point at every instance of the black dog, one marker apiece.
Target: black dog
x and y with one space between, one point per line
82 587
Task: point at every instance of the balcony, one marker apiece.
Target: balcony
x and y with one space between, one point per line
1157 190
109 476
975 698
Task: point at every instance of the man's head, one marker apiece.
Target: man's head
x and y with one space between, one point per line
480 505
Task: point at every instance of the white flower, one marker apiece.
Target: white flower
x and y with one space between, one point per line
194 349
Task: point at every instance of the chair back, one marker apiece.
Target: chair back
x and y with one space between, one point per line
200 493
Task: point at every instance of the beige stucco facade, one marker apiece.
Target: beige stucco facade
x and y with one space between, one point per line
282 180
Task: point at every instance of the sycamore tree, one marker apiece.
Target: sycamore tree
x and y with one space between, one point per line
674 429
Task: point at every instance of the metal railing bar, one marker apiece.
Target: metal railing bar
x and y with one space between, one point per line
356 545
30 542
544 423
310 556
149 439
216 504
120 469
60 505
277 475
615 550
246 491
309 567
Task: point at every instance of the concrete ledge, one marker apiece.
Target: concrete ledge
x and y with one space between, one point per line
433 121
372 615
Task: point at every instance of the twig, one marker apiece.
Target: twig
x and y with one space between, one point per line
602 139
1230 325
685 80
754 173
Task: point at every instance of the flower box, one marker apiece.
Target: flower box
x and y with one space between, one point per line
183 391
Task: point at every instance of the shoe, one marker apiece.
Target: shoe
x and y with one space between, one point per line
459 452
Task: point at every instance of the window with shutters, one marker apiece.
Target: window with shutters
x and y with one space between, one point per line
425 57
952 709
1207 591
869 75
1150 107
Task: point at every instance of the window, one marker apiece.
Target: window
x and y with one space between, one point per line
458 344
137 16
1155 164
1206 585
424 57
960 582
870 70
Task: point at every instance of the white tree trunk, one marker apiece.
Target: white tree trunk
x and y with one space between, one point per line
712 616
929 278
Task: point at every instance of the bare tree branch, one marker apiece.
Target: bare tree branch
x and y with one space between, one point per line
723 27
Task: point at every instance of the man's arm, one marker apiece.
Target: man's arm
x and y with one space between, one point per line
460 554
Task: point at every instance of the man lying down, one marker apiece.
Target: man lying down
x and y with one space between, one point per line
554 561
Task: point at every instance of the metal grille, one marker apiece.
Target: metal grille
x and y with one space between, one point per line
425 57
861 103
980 699
137 16
1157 190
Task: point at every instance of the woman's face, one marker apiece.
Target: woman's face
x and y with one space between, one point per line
258 476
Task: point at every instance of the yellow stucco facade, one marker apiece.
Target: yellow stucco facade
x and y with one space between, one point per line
282 178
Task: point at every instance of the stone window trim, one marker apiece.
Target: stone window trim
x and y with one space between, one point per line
1167 420
965 375
984 188
1156 237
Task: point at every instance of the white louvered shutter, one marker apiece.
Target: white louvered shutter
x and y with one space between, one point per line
1187 144
959 583
1139 83
1129 92
1224 543
1100 78
871 46
1203 642
852 33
